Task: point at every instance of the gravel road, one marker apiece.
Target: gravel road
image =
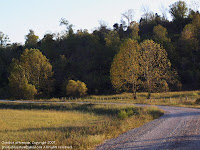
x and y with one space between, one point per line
178 129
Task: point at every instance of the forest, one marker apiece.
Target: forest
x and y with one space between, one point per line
45 67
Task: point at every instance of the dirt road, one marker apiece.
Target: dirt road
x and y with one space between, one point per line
179 128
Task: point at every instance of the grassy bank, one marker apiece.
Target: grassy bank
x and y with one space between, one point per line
79 126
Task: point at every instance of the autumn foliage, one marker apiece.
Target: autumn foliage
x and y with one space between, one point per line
76 89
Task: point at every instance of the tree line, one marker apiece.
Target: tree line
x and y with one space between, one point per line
44 68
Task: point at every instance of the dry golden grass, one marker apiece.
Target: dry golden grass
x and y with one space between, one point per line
84 128
181 98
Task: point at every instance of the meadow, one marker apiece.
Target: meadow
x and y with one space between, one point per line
84 126
180 98
76 126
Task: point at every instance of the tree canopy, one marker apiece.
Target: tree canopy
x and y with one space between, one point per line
32 71
125 69
155 65
96 57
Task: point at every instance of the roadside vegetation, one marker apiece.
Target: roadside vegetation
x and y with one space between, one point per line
80 126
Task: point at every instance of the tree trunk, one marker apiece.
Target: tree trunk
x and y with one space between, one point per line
149 89
149 95
134 91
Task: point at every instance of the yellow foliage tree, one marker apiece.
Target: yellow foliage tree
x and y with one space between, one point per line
76 88
155 65
32 72
18 83
82 88
125 69
38 70
71 88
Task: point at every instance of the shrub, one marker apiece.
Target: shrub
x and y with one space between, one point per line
81 88
122 114
197 101
129 112
76 88
72 88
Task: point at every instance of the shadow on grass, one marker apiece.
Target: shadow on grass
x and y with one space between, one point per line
89 108
83 129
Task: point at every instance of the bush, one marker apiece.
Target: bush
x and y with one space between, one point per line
82 88
129 112
122 114
72 88
197 101
76 88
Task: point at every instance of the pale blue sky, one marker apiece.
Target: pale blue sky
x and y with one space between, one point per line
18 16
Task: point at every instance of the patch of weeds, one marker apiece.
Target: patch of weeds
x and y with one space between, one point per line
122 114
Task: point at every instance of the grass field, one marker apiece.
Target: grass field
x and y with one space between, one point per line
182 98
75 125
84 126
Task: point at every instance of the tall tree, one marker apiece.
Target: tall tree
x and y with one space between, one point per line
3 39
133 30
35 70
128 15
48 47
69 27
125 69
160 35
156 66
31 39
18 83
178 10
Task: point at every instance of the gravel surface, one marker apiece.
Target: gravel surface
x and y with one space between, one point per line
178 129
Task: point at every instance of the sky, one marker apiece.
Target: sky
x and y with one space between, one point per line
43 16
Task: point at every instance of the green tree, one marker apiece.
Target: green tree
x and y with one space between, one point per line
48 47
3 39
61 74
35 70
112 39
31 39
155 65
196 24
133 30
160 35
189 39
125 69
18 83
69 27
178 10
